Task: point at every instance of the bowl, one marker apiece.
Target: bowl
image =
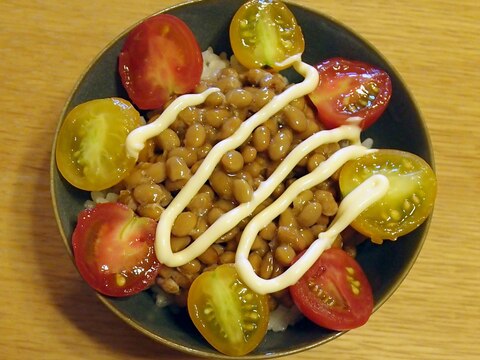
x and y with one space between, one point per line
401 127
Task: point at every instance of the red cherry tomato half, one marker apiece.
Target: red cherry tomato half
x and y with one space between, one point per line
350 89
113 249
334 292
160 57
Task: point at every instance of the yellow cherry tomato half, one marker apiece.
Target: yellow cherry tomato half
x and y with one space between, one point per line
264 33
90 150
408 201
229 315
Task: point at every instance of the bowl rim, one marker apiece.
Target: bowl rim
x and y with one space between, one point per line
217 355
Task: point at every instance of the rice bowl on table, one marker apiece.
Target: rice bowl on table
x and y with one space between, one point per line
250 190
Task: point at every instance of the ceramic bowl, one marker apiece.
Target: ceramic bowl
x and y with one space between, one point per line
401 127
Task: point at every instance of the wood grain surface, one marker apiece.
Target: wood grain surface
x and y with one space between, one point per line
47 312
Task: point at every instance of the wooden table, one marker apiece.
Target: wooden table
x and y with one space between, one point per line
46 310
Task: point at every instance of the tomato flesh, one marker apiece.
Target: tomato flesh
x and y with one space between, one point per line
160 57
409 200
114 249
264 34
90 150
334 293
350 89
230 316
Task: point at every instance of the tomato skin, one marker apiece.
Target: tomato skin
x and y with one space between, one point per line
335 292
350 89
113 250
409 200
230 316
160 57
90 150
265 33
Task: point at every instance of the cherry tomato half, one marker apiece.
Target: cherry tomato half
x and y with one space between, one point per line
264 33
160 57
90 150
350 89
230 316
408 201
113 249
334 292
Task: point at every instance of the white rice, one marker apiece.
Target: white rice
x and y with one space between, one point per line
162 299
213 64
368 143
283 317
100 197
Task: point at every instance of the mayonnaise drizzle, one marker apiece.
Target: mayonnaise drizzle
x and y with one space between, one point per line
352 205
227 221
290 61
358 200
137 138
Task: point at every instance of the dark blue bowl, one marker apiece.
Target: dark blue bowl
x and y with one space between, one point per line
401 127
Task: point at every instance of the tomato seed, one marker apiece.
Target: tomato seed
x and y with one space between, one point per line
395 214
249 327
415 199
355 289
120 279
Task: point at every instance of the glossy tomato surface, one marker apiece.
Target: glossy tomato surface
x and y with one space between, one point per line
230 316
334 292
350 91
409 199
113 249
264 34
160 57
90 150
